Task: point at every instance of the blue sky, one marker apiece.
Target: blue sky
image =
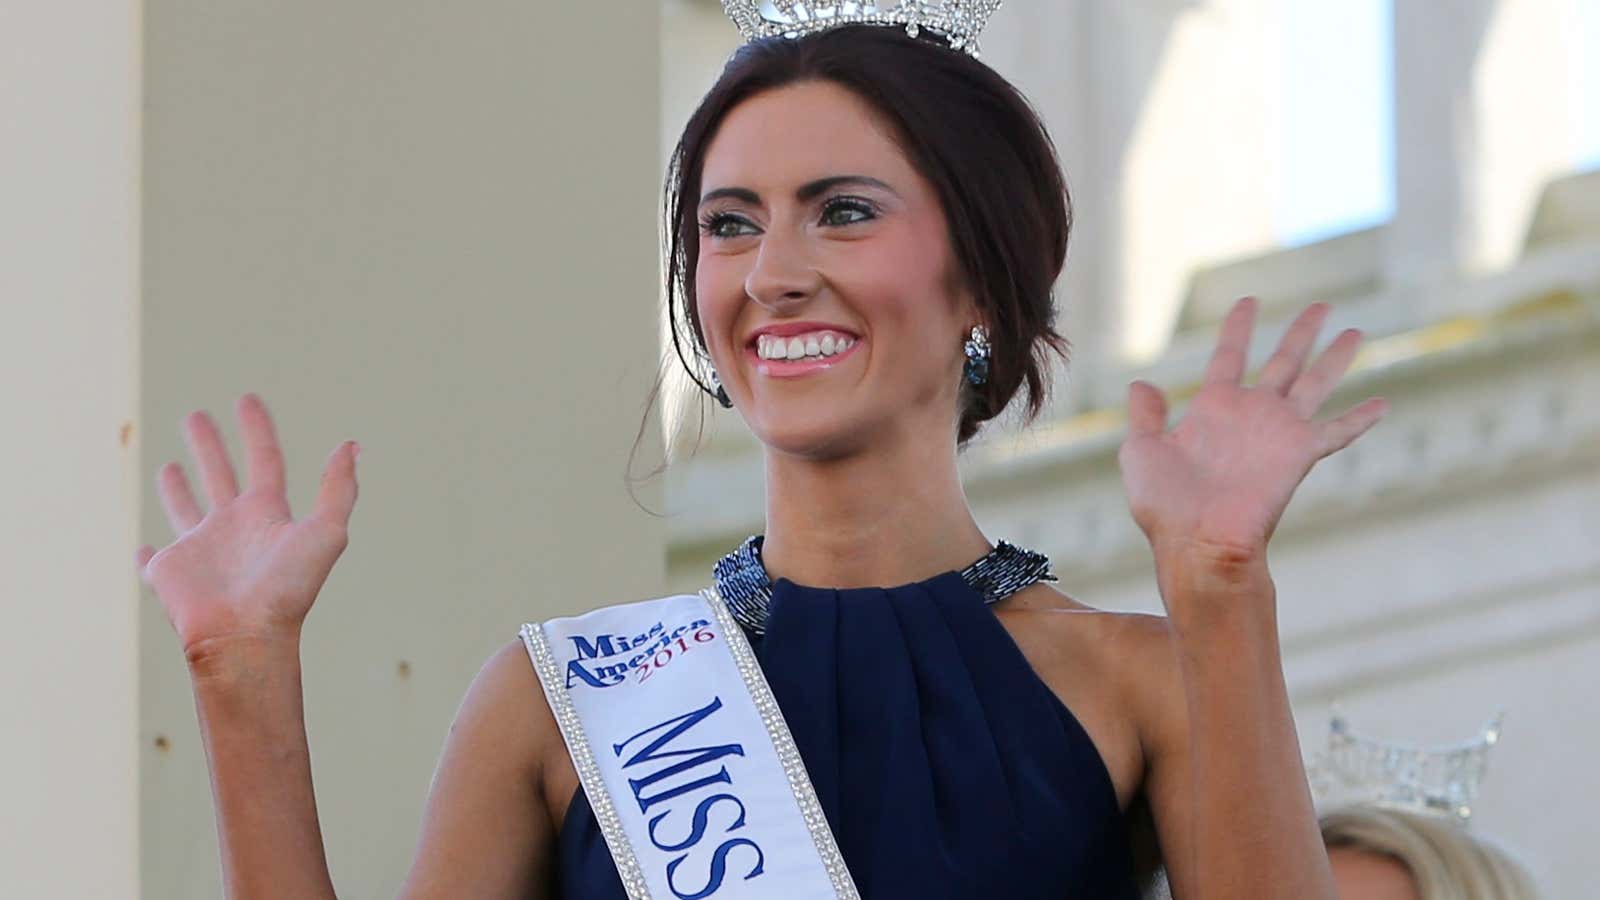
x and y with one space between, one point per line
1586 101
1338 172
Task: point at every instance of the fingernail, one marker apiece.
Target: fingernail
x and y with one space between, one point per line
356 447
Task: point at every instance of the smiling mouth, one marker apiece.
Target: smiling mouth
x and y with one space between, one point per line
764 355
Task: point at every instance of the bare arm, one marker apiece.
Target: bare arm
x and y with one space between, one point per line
236 585
485 832
1225 779
1229 790
252 722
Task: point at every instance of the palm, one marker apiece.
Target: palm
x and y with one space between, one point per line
1224 474
245 567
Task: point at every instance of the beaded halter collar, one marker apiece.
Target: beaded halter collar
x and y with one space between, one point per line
743 583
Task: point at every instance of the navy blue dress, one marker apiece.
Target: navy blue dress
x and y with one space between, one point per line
945 766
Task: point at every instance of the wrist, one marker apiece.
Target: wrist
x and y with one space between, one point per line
1224 626
1215 560
242 656
1208 588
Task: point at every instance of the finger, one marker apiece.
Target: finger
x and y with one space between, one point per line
1147 409
216 471
1287 360
1233 344
1341 432
263 453
183 513
1312 388
337 495
142 558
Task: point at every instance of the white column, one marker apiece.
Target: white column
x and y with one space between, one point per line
433 230
429 231
1162 113
69 273
1196 180
1483 118
1046 50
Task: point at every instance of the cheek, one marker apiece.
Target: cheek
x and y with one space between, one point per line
906 295
894 280
718 295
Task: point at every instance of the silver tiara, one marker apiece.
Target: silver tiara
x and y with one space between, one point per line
957 21
1440 781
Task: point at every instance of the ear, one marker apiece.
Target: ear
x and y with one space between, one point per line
959 288
970 313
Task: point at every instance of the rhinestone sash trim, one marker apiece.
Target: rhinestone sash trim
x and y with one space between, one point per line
755 682
605 812
741 578
805 795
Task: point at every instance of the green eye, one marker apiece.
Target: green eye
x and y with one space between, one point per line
847 211
717 225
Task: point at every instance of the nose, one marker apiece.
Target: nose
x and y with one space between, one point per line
783 274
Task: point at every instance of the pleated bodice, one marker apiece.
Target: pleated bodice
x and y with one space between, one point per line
944 764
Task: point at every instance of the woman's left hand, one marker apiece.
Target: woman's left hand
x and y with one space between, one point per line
1212 489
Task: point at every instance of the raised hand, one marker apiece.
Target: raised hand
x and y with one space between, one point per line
245 568
1220 479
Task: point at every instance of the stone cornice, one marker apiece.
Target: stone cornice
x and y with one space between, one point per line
1478 398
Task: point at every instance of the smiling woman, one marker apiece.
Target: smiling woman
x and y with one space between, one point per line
872 699
911 178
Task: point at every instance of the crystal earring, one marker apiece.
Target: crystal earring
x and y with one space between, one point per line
976 369
720 392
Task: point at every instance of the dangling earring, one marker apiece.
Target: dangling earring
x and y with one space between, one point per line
976 369
719 392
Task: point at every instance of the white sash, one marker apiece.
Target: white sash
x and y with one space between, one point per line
684 755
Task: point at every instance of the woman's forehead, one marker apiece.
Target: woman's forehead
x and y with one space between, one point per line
798 133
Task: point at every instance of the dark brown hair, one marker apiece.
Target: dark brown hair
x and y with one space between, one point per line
965 129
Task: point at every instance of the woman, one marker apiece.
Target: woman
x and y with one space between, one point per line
881 193
1387 854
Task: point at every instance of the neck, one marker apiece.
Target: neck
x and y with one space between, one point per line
875 519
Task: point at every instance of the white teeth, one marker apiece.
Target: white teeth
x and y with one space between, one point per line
819 344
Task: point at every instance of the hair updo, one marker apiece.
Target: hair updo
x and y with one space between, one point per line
1446 861
965 129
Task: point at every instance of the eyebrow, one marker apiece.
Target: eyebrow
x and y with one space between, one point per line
806 192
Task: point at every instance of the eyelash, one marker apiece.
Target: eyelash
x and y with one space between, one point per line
710 222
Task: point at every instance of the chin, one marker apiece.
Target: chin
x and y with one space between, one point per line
820 435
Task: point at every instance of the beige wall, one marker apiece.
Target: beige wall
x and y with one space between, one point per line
69 379
428 230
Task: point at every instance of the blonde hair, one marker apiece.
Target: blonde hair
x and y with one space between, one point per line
1447 862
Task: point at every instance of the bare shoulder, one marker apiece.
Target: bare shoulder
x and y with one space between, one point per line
1117 671
504 715
1129 643
508 690
487 828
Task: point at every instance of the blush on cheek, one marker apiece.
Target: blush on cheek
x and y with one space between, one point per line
717 308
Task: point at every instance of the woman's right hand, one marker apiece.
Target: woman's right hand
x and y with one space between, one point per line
245 569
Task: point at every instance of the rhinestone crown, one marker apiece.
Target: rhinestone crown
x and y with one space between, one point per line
958 21
1439 781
